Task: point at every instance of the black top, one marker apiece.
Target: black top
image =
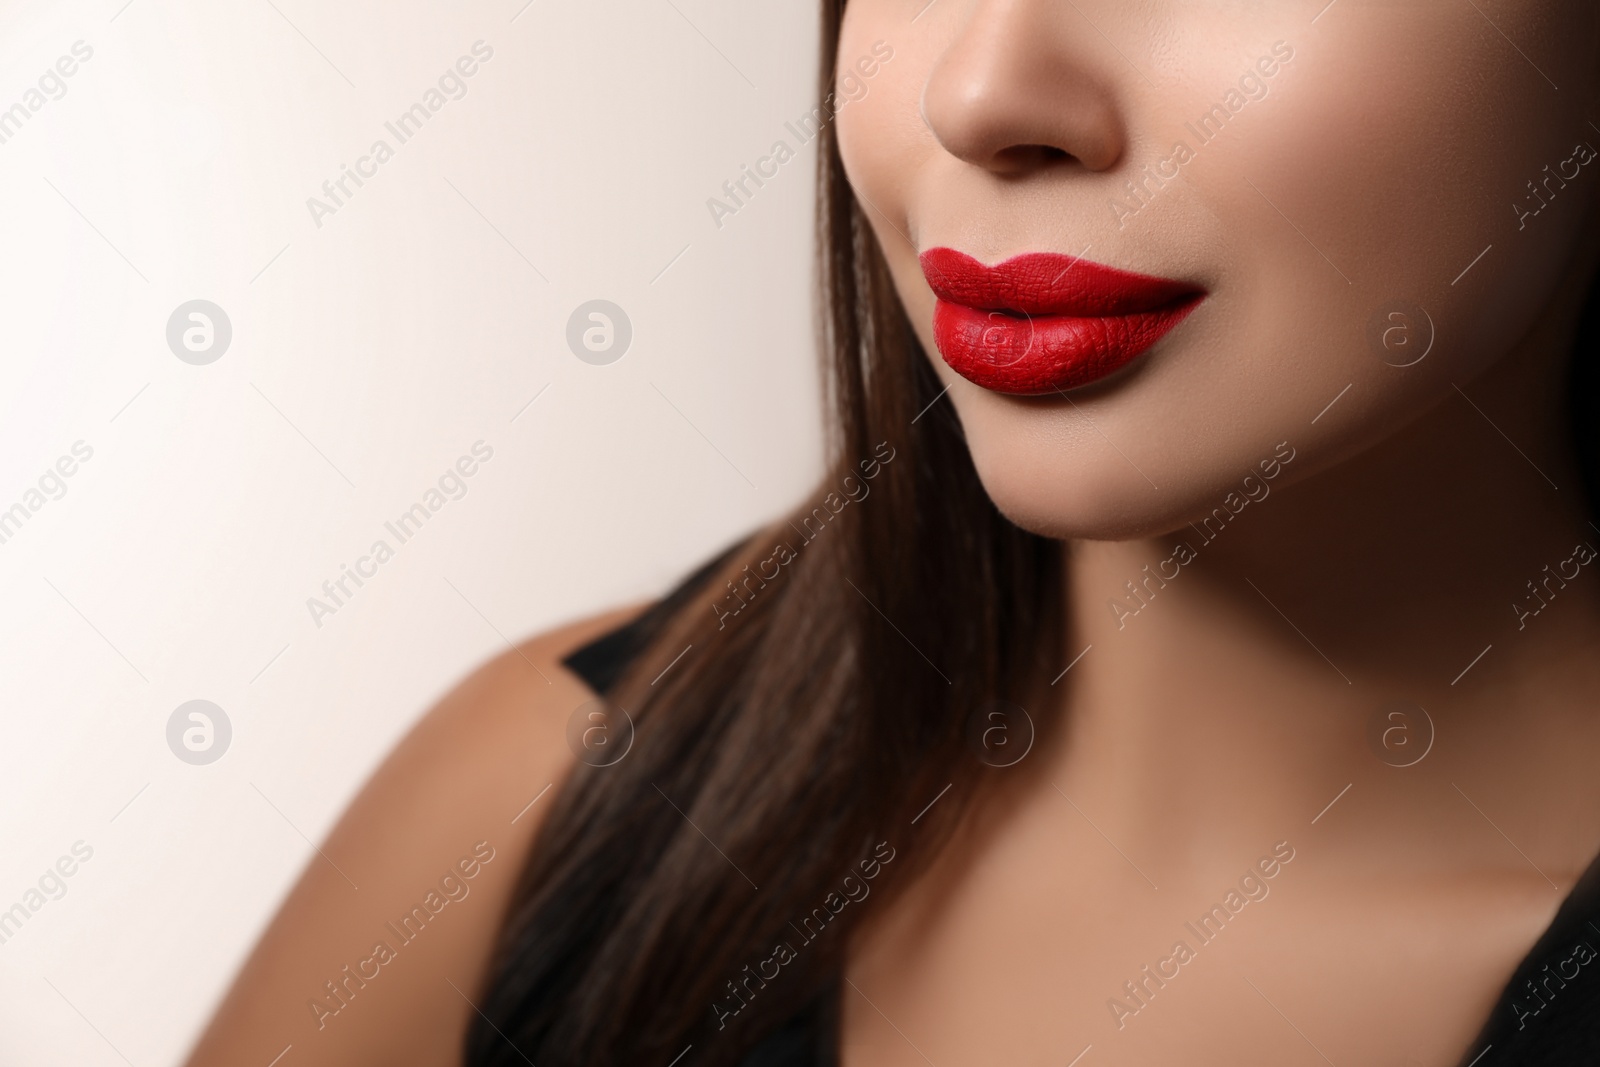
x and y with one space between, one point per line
1548 1015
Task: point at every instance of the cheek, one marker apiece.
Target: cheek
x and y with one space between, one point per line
883 142
1384 164
1397 148
889 155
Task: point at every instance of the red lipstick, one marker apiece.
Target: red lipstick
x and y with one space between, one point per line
1042 322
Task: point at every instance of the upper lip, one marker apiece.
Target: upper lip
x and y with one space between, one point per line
1048 283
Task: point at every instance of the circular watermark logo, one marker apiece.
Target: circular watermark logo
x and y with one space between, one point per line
1000 733
1400 333
1006 337
199 732
599 332
1400 733
599 733
199 332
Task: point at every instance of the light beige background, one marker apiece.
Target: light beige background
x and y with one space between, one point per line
366 357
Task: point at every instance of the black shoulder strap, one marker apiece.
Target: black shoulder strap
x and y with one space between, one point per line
602 662
810 1039
1549 1013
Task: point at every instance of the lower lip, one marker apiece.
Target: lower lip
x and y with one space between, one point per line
1040 354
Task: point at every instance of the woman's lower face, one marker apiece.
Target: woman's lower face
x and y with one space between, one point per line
1367 201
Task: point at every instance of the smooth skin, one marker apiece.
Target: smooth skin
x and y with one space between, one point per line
1231 711
468 768
1223 711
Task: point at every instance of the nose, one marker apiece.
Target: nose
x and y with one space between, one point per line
1021 88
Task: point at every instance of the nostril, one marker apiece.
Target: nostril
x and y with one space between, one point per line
1029 157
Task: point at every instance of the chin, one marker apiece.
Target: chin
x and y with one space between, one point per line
1051 469
1072 490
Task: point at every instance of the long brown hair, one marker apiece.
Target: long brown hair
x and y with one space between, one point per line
799 739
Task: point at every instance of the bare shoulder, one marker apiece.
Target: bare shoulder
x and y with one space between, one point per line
374 955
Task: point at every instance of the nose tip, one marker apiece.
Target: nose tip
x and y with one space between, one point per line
1014 93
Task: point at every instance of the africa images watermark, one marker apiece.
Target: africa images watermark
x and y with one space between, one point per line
853 889
810 528
1552 183
1552 982
1582 555
453 887
852 86
51 885
1252 86
1252 489
1252 888
451 85
51 85
451 485
52 485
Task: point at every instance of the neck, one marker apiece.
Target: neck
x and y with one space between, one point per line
1451 568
